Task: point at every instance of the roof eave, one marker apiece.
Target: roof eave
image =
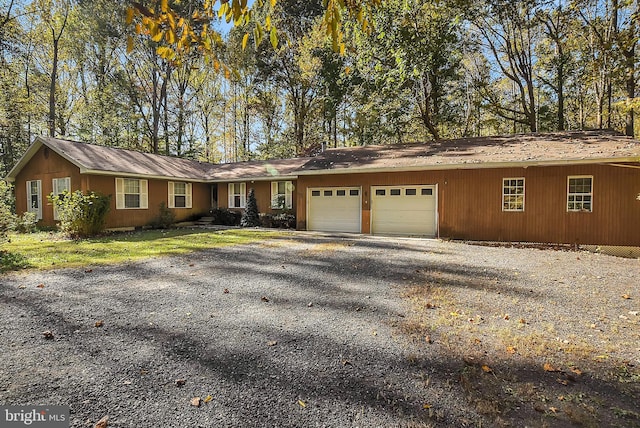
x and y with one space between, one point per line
138 175
261 178
486 165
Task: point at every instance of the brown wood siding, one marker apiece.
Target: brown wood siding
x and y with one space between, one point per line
45 165
158 193
470 203
262 191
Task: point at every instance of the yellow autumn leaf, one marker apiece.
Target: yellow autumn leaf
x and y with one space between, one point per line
426 406
129 44
170 36
244 40
273 3
302 404
273 37
549 368
130 15
208 398
486 368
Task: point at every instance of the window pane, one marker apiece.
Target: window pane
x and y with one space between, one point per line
427 192
131 186
380 192
328 192
315 193
131 201
236 201
180 201
354 192
410 192
179 188
395 192
341 192
282 187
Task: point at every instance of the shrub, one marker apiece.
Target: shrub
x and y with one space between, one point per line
284 220
165 218
251 216
225 217
26 223
7 216
82 215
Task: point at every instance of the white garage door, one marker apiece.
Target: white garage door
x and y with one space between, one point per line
334 209
403 210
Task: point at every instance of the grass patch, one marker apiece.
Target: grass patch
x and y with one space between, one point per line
52 250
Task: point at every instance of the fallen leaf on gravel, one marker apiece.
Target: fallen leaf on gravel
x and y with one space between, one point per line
191 264
102 423
88 270
99 323
454 314
634 313
522 321
562 381
506 317
346 363
226 291
272 343
426 406
549 368
428 339
264 299
626 296
511 350
127 382
40 285
302 404
47 334
195 401
553 409
486 368
310 305
22 287
576 371
180 382
208 398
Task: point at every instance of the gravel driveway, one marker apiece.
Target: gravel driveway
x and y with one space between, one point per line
299 331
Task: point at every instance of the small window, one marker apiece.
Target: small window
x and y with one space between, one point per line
281 195
179 195
513 194
237 195
354 192
131 193
341 192
426 192
328 192
315 193
380 192
410 192
580 194
395 192
59 186
34 198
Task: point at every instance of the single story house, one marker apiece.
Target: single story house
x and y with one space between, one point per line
570 187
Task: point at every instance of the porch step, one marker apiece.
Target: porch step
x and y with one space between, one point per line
203 221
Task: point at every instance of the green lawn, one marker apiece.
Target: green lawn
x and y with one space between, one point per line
45 250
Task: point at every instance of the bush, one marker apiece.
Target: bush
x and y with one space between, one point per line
82 215
283 220
251 216
26 223
7 216
225 217
165 218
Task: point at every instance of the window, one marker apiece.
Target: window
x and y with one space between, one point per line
281 195
328 192
513 194
341 193
354 192
580 194
179 195
237 195
131 193
395 192
380 192
410 192
60 185
315 193
426 192
34 198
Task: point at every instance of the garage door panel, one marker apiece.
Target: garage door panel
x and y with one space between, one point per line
336 209
404 210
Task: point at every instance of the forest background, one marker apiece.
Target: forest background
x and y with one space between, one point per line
421 70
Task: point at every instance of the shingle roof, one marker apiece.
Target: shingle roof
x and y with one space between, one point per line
94 158
525 149
565 147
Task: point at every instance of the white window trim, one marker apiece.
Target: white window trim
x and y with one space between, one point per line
242 194
582 194
58 189
37 211
144 194
188 196
524 191
288 195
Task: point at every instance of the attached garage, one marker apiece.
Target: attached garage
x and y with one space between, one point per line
404 210
334 209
